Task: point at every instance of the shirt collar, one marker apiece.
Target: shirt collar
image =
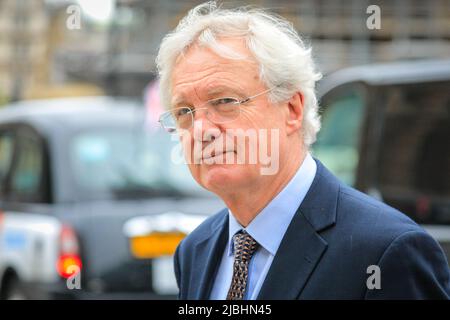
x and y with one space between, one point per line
270 225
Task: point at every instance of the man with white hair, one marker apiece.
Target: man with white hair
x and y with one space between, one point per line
240 81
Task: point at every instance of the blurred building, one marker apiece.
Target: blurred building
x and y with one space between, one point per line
336 28
118 53
24 44
31 33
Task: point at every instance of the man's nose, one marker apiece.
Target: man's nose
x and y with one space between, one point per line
204 129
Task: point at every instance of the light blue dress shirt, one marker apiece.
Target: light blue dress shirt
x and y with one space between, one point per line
268 229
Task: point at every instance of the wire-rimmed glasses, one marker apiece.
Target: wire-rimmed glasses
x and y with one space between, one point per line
219 110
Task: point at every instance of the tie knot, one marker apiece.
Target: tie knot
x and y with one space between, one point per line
244 246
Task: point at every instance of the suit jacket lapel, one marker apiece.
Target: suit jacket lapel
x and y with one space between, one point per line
298 254
208 252
302 247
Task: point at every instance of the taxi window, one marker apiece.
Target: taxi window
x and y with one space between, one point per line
124 163
414 158
338 140
6 156
26 178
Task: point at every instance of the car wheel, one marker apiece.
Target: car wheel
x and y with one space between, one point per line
14 290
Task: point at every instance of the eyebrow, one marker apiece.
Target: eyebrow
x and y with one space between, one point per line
178 100
210 93
222 89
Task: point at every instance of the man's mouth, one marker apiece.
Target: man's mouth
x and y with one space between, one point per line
218 154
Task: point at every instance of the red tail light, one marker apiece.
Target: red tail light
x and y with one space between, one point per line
1 216
69 261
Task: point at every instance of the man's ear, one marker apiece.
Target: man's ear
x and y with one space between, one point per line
295 113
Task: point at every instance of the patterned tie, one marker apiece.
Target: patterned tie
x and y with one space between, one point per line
244 247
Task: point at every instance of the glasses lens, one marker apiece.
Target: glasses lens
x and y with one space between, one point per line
219 111
182 117
167 122
179 118
223 109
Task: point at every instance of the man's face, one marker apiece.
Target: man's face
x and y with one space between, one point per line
221 157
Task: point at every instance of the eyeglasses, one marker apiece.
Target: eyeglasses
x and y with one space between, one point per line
220 110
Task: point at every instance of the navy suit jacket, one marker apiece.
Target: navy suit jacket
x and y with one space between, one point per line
335 235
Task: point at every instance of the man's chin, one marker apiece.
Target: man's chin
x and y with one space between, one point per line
218 177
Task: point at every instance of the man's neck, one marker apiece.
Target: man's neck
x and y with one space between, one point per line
247 203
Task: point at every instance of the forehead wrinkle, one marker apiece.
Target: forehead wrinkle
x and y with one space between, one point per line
223 89
200 65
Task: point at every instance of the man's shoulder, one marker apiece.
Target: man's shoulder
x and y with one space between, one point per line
358 215
371 219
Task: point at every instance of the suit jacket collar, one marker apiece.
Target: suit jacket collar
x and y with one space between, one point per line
320 204
300 250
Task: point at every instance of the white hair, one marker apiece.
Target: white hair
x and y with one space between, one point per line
283 58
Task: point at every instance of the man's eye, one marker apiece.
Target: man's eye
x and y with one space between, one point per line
182 112
224 101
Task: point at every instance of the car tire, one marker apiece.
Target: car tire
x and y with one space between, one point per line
14 290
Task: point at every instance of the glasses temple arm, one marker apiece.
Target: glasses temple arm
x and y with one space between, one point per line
259 94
